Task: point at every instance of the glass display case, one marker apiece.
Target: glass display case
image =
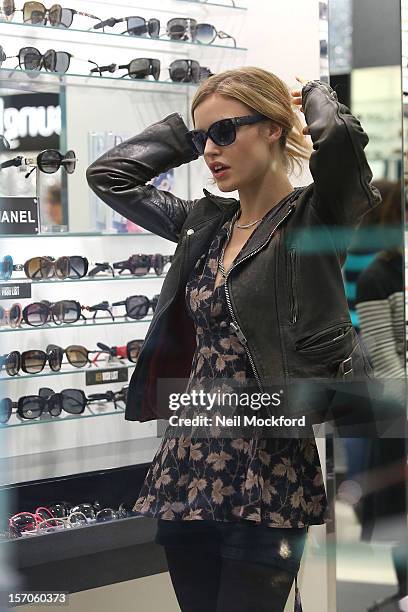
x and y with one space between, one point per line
66 279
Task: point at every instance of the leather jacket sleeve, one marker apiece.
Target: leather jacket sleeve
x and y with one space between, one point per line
342 176
118 177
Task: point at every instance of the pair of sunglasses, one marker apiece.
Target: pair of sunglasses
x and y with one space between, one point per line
137 306
130 351
32 361
141 264
12 316
51 160
31 59
184 28
38 314
72 401
48 161
4 143
36 14
222 133
40 268
139 68
135 26
77 355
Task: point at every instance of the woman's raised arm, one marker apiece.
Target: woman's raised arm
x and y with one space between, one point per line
120 175
341 173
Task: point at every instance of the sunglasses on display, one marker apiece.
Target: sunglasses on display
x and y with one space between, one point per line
135 26
140 68
65 267
178 28
183 70
185 28
222 133
12 316
66 312
130 351
36 14
48 161
72 401
38 314
137 306
31 362
141 264
7 267
4 143
77 355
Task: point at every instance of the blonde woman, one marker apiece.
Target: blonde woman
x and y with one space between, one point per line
242 303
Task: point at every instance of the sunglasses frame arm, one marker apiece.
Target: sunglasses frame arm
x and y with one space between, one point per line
223 35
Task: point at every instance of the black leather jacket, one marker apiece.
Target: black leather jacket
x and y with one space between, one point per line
285 292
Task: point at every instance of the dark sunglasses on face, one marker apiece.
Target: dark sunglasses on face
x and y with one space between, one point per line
137 306
136 26
222 133
36 13
32 361
180 28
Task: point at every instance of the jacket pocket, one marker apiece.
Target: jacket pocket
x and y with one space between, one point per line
292 286
325 339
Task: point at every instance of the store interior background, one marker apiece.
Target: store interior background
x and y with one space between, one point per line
339 572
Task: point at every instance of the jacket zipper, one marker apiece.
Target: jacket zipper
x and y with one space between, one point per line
234 323
292 289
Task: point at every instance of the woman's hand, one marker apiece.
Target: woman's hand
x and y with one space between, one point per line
297 99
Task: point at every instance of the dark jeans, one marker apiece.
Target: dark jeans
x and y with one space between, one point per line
218 567
209 583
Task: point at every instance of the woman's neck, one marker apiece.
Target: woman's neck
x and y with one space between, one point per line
259 197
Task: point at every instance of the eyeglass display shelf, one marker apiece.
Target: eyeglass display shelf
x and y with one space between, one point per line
4 378
77 234
123 37
224 6
85 279
59 419
51 82
116 550
89 323
130 4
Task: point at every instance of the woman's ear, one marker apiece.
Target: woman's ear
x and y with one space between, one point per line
273 132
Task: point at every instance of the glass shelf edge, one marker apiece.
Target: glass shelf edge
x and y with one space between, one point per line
124 38
77 234
5 426
71 325
4 379
85 279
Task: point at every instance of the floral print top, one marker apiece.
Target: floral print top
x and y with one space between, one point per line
276 482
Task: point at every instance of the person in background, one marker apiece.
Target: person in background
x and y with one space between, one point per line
380 306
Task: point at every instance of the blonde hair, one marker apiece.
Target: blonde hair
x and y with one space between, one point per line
267 94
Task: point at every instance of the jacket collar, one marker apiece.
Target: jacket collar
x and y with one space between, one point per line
272 220
222 203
